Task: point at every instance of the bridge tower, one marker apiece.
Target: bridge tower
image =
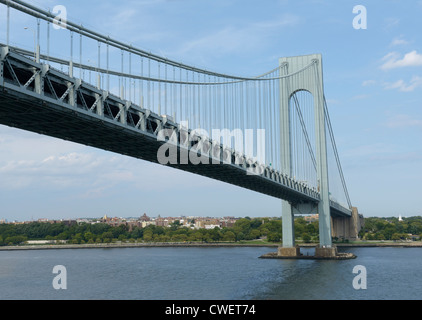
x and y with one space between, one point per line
299 77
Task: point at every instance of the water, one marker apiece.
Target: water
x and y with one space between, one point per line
207 274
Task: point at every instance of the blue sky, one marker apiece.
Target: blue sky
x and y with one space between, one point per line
373 85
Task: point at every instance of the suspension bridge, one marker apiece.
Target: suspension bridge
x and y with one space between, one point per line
270 133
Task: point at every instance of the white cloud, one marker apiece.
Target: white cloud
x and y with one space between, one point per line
360 97
399 41
393 159
368 151
368 83
403 121
234 39
391 23
333 101
401 85
392 60
24 145
90 174
55 171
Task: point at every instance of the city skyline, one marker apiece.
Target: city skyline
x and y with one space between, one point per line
372 84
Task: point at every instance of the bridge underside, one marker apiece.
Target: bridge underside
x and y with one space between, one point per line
39 116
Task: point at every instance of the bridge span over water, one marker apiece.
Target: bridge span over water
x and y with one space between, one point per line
270 134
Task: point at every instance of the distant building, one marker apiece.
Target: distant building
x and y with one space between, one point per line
161 222
39 242
211 226
69 222
227 222
311 218
145 218
145 224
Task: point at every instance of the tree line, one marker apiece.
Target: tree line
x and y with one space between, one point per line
269 229
244 229
392 228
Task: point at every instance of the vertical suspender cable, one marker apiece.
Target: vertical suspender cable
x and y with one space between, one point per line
48 47
159 90
141 85
8 25
108 61
165 91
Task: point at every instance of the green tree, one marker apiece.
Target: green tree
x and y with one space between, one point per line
63 236
306 238
147 236
107 237
89 236
179 238
379 236
77 238
215 234
242 226
136 233
256 223
229 236
299 228
14 240
388 232
395 236
274 236
312 228
196 236
122 229
254 234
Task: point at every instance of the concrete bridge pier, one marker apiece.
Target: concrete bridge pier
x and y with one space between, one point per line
288 248
344 228
348 228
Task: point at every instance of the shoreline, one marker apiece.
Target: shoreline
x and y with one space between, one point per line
131 245
417 244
